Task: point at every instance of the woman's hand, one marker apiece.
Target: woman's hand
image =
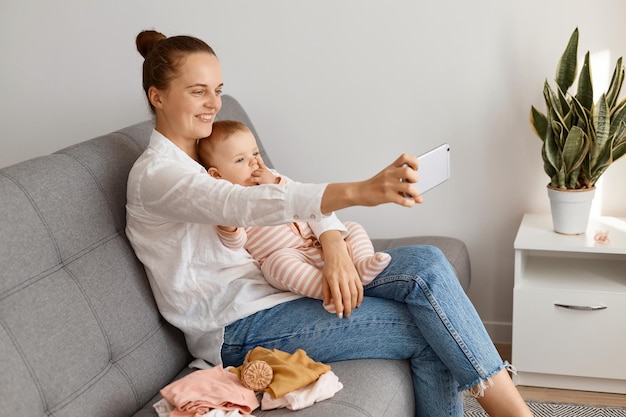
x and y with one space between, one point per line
341 283
394 184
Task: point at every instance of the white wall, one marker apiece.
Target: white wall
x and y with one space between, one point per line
337 90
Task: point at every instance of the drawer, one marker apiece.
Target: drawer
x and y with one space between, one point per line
553 340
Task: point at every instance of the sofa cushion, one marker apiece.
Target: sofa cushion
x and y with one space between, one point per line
79 330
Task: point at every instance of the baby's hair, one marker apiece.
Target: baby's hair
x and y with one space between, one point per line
222 130
163 56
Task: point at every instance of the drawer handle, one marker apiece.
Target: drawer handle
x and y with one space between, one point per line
581 308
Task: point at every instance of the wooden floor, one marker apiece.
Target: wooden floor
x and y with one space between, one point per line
564 396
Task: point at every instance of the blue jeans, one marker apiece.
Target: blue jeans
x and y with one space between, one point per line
415 309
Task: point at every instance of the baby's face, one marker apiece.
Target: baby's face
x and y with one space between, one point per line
236 158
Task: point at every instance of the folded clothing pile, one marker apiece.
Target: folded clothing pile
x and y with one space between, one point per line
296 382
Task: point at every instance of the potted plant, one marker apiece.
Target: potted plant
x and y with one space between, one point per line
580 138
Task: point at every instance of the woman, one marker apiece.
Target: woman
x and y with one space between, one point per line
414 309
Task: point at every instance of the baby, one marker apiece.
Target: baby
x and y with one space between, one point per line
290 255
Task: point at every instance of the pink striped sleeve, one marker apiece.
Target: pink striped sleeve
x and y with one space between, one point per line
232 240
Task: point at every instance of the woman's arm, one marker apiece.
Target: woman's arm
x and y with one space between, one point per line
163 189
388 186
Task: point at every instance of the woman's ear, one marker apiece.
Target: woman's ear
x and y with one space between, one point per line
214 172
154 96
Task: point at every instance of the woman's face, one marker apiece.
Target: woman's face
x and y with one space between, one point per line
186 110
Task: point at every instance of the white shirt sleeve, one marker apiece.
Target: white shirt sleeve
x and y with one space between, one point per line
174 192
325 223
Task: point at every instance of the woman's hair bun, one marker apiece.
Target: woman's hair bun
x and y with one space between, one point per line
147 40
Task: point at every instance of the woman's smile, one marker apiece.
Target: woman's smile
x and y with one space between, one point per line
206 117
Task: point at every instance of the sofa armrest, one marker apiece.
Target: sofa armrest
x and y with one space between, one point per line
454 249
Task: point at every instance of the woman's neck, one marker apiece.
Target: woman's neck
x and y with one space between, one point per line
189 146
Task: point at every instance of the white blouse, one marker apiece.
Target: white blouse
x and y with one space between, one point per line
200 286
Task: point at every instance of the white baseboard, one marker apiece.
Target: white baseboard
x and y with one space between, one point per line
500 332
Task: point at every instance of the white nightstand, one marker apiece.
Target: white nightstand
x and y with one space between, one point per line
569 306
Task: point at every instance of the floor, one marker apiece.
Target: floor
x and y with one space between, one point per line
564 396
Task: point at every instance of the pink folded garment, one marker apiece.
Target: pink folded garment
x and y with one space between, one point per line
204 390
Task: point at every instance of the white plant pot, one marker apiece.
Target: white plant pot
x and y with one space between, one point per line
570 209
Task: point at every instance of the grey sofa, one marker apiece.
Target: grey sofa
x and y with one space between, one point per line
80 334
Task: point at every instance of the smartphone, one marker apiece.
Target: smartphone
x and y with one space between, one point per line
433 168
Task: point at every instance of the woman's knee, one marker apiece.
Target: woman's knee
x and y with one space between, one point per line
429 252
418 256
427 263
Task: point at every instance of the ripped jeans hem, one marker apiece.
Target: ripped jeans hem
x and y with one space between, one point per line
477 390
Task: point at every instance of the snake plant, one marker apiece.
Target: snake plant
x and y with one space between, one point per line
580 138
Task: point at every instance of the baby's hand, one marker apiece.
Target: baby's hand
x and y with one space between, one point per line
227 228
263 175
